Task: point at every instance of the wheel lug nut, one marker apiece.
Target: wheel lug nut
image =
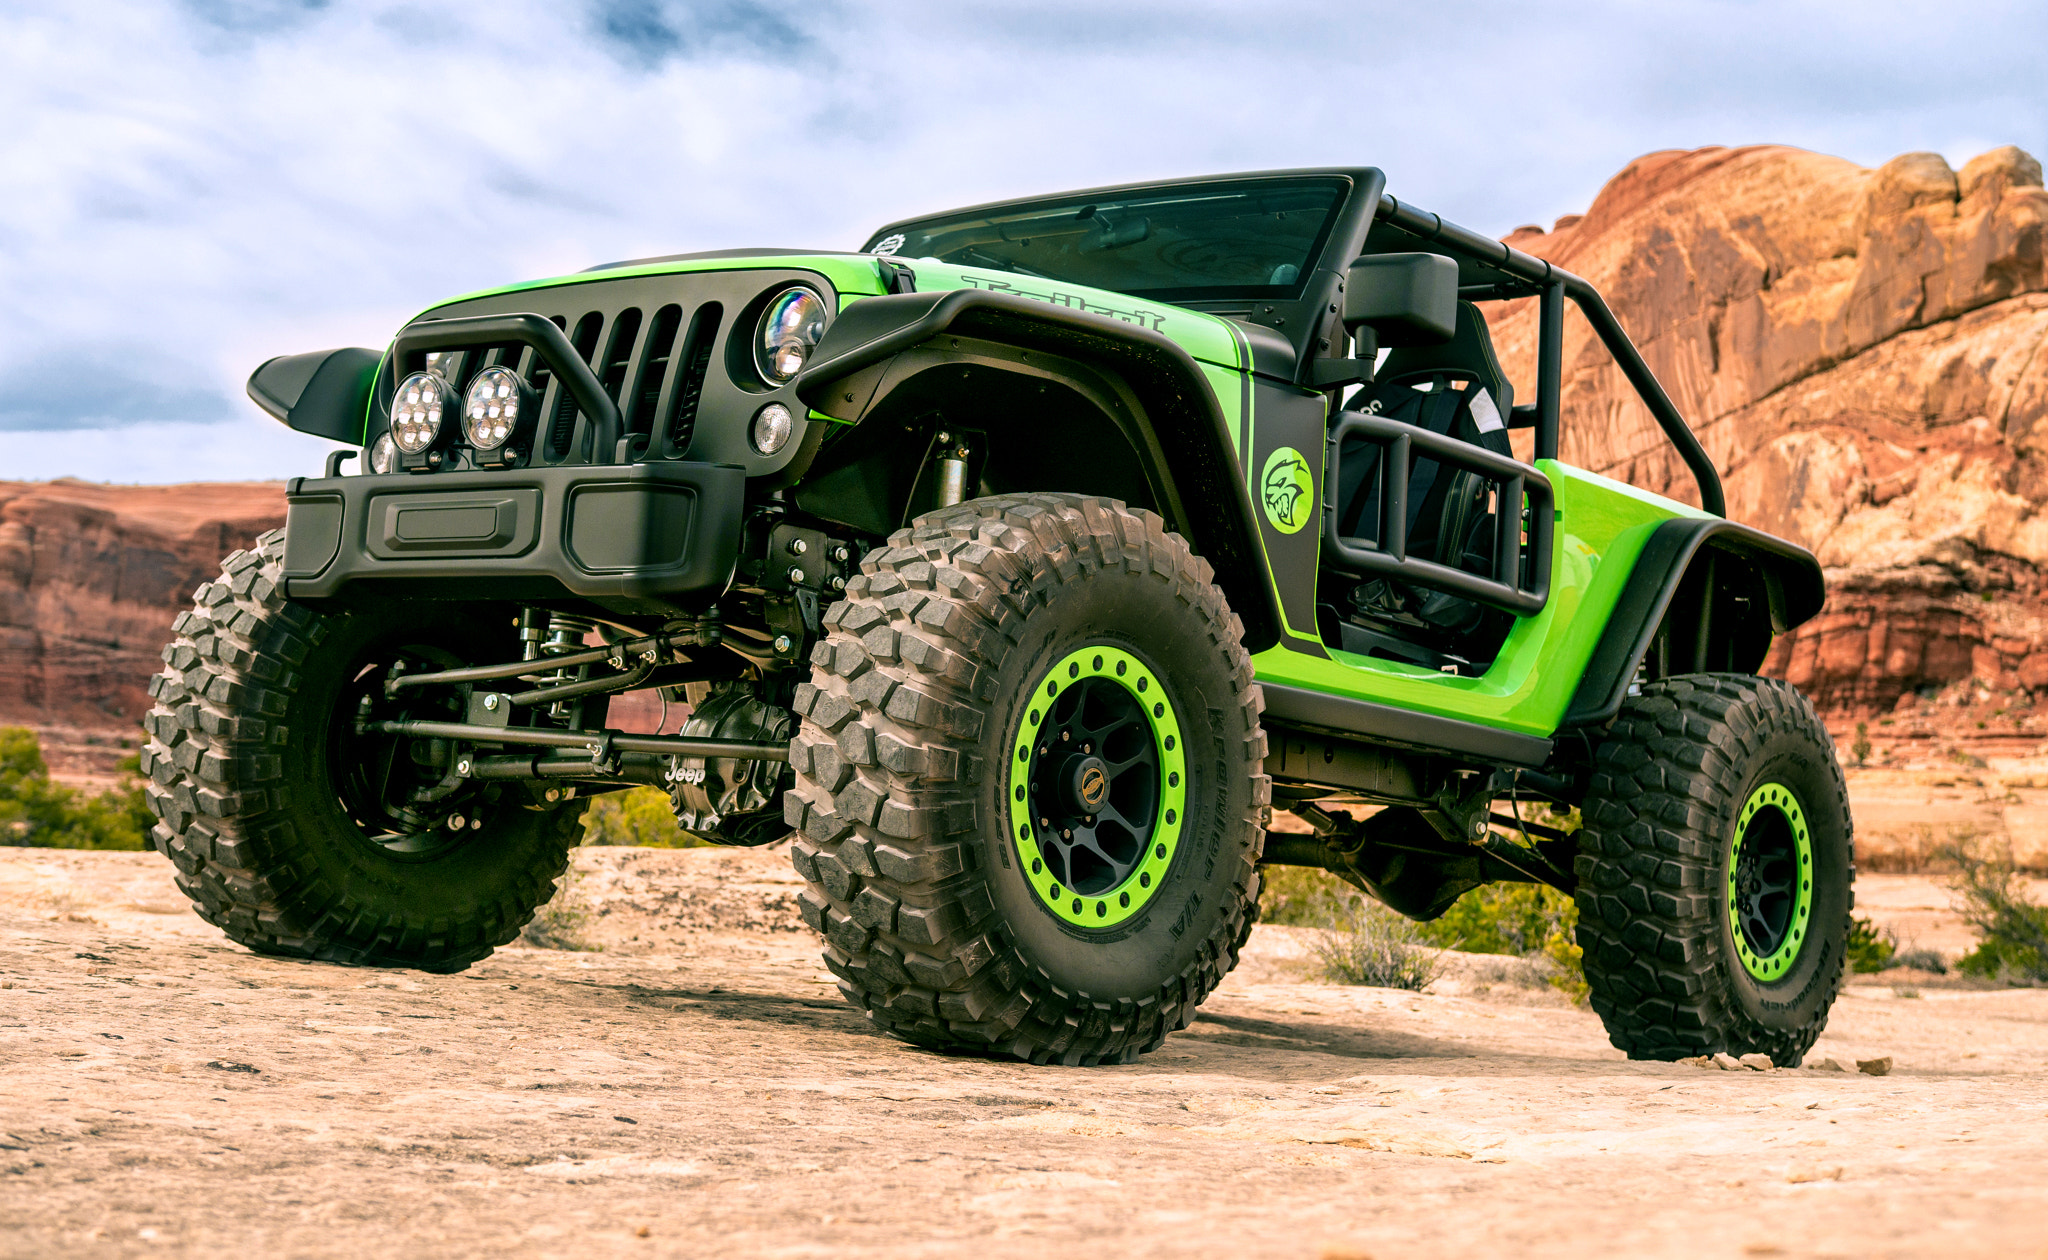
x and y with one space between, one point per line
1066 835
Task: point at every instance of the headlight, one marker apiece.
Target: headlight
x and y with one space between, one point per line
497 405
772 426
383 454
790 329
417 409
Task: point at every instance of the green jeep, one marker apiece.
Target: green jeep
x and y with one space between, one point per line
1021 564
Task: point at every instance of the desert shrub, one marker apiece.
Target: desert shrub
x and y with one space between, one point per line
562 922
1921 960
39 813
2012 928
1302 896
1368 944
640 816
1519 919
1870 949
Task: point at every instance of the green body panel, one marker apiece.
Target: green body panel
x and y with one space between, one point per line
1601 528
1602 524
848 274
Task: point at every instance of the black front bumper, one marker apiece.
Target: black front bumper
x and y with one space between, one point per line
636 538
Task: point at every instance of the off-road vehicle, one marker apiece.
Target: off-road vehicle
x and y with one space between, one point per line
1020 564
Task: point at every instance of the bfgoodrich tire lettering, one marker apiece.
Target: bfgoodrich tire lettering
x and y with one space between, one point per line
243 781
919 692
1669 788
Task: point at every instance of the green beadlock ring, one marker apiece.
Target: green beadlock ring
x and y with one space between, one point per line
1119 904
1774 966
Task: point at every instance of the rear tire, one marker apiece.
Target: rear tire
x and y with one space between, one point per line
250 768
971 642
1716 870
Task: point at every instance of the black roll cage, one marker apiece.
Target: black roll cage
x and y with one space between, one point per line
1524 275
1372 222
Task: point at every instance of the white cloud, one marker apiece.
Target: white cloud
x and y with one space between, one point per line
192 188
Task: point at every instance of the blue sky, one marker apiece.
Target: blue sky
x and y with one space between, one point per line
188 187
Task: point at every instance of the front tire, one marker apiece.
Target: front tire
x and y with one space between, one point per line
981 883
1716 871
268 805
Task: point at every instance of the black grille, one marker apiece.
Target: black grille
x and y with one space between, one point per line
654 342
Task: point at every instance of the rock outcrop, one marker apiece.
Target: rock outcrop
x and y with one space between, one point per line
1862 353
91 577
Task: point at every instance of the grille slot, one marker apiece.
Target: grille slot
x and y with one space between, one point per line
625 332
564 426
695 360
654 364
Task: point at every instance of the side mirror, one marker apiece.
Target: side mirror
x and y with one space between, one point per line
323 393
1405 299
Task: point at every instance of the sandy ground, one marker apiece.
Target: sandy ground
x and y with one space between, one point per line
697 1088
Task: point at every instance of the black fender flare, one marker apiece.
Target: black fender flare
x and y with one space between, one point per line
1791 578
1178 429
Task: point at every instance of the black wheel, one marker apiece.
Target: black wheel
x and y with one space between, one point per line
1716 871
297 836
1029 781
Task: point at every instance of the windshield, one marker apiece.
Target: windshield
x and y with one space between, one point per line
1205 242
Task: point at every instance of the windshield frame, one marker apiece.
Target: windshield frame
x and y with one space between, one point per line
1342 183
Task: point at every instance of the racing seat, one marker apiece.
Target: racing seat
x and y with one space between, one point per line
1455 388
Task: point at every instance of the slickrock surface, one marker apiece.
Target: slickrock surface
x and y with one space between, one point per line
703 1091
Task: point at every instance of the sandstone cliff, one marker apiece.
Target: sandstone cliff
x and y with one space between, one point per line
1861 352
91 577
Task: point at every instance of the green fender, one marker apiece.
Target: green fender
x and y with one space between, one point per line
1148 384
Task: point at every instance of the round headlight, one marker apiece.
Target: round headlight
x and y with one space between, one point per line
383 454
494 406
417 409
790 329
772 426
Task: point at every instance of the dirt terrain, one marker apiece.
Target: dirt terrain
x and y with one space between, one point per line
697 1088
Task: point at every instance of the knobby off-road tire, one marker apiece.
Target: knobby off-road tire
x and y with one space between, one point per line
1716 871
241 761
942 667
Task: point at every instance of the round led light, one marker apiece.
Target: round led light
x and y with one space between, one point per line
772 426
417 409
492 407
383 454
790 329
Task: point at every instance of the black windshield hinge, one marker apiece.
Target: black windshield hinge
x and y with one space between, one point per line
1331 373
900 278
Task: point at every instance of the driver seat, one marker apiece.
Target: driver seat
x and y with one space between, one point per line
1455 388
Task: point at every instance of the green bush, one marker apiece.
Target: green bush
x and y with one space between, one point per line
1302 896
639 816
1371 945
37 813
1520 919
1869 949
2012 928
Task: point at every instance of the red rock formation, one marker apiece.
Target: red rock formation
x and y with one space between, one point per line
1862 353
91 577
